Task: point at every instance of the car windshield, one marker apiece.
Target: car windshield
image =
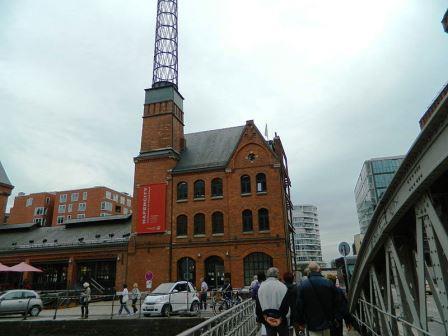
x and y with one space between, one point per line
163 288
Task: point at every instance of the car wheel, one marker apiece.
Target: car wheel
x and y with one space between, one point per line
34 311
195 307
166 310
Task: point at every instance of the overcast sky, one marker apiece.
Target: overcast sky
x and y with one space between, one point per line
339 81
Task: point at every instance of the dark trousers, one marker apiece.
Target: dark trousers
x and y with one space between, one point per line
281 330
85 310
337 330
124 306
134 305
203 298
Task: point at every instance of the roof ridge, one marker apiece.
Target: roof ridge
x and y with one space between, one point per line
216 129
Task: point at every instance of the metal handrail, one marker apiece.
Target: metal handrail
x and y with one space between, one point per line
238 318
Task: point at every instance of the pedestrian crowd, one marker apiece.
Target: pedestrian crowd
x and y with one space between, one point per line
316 306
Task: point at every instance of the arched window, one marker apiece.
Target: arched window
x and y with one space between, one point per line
217 222
263 219
247 221
214 272
182 191
199 224
199 189
186 270
254 263
245 184
261 182
181 225
216 187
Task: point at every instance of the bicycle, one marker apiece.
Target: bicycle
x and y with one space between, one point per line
220 303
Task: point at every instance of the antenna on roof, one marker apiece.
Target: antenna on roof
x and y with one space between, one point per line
165 46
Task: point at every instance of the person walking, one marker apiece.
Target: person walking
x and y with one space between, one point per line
342 313
135 296
291 295
203 294
254 284
272 307
124 298
85 299
317 303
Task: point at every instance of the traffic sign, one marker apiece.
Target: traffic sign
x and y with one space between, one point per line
344 249
149 276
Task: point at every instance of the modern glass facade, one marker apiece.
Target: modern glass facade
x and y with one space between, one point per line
307 235
375 177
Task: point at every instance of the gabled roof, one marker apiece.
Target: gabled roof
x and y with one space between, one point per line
209 149
3 177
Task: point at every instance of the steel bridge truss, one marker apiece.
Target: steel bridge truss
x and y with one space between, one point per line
400 282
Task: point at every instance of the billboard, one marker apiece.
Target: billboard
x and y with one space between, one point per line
151 208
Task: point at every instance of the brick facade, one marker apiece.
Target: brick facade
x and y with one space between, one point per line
162 140
31 208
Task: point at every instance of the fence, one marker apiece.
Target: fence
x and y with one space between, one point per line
238 321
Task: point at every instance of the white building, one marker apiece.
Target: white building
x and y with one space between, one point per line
307 236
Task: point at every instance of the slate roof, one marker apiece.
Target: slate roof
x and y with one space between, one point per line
3 177
58 237
208 149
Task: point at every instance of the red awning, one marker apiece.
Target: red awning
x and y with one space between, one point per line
23 267
4 268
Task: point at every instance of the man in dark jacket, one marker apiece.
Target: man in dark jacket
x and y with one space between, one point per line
317 303
343 313
272 304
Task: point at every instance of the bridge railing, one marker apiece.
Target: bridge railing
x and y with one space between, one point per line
238 321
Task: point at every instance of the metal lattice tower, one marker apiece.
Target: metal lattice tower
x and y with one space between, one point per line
165 47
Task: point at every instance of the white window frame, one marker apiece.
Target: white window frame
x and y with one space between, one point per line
80 216
128 202
105 205
108 194
60 220
38 221
29 202
115 197
104 214
62 198
123 200
39 211
82 206
74 197
61 208
70 207
84 195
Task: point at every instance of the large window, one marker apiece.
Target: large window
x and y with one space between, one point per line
199 224
245 184
217 222
182 191
254 263
182 225
216 187
263 219
186 270
199 189
261 182
247 221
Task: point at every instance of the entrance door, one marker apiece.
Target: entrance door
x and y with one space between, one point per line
214 272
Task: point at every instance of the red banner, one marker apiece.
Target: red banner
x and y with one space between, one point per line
151 208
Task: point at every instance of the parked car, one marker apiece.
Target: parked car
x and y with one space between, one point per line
20 301
171 297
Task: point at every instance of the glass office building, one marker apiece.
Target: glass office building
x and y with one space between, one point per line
375 177
307 235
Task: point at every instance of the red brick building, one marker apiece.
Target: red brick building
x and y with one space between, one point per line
5 190
54 208
227 207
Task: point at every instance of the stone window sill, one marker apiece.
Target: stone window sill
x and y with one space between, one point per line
181 237
218 234
181 201
246 194
248 232
264 231
199 199
217 197
199 235
262 192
